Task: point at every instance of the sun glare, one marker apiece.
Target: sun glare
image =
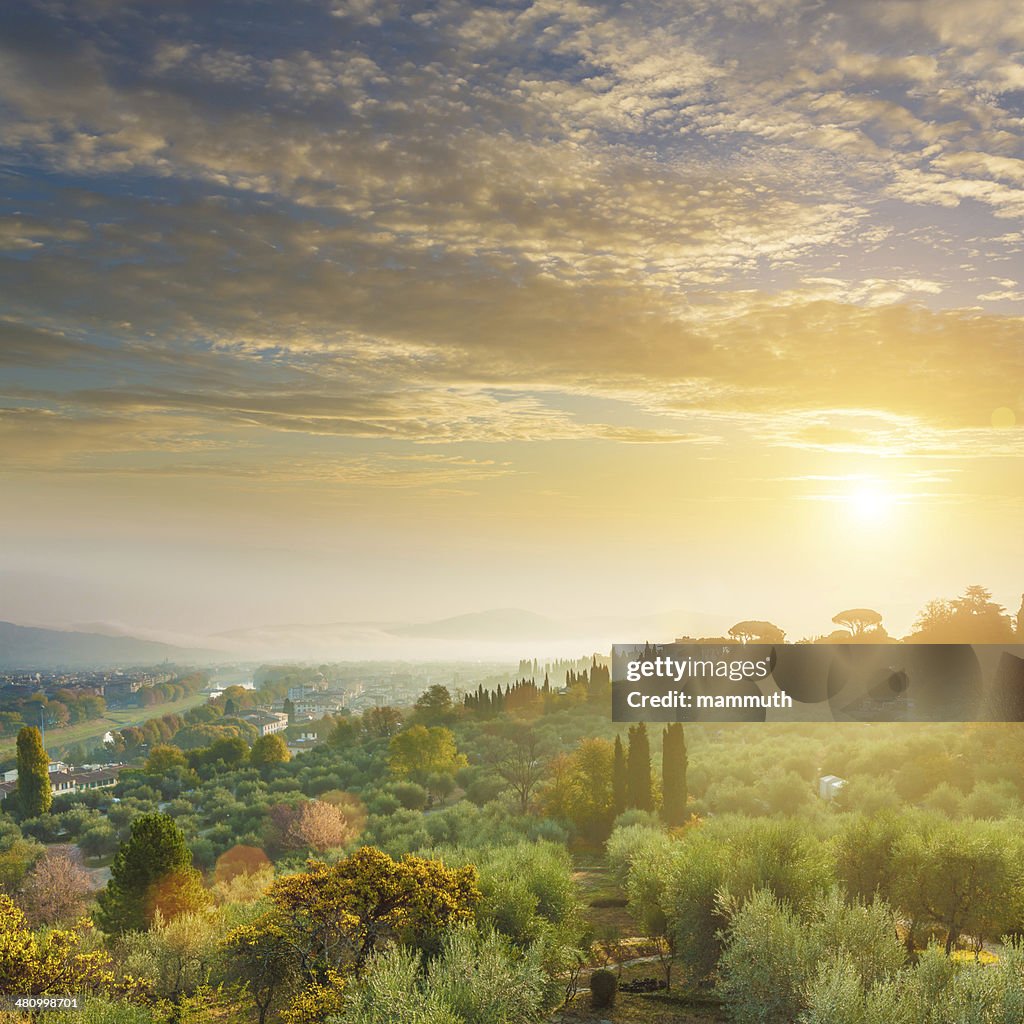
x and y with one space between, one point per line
871 504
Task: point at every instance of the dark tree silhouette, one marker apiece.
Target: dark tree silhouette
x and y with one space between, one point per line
757 631
620 779
973 617
638 768
674 763
858 620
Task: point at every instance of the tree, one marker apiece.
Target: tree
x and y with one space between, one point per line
56 889
859 620
434 705
384 721
620 779
866 855
232 750
34 795
441 785
327 921
935 620
261 957
98 841
10 723
417 752
16 859
580 790
961 877
270 749
674 764
289 709
162 758
638 769
519 760
971 618
309 825
176 957
47 963
757 631
151 871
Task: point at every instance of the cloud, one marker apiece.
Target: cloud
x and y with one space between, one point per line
378 227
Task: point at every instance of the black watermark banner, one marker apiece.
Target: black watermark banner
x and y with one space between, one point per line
818 682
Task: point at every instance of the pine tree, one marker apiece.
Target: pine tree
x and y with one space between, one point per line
620 779
151 871
34 795
638 769
674 763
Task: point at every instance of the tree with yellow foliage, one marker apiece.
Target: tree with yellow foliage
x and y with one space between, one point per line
419 752
51 962
325 922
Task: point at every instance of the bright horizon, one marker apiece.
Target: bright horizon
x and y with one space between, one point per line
595 312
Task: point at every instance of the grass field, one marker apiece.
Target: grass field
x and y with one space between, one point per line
82 732
636 1008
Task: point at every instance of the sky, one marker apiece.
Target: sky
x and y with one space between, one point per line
331 311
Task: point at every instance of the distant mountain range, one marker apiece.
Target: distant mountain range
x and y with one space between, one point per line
496 624
29 647
501 634
505 634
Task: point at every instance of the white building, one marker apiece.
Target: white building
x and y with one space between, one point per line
266 722
829 786
65 780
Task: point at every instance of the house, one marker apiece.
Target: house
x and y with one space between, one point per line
65 780
266 722
829 786
306 740
95 777
53 767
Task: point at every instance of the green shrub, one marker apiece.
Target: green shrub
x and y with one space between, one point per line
766 963
837 996
772 963
631 842
411 795
99 1010
482 979
389 993
527 889
695 875
476 979
635 817
604 986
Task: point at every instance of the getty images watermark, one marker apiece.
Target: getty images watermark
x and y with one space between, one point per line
818 682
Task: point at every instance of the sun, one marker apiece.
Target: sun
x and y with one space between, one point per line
871 503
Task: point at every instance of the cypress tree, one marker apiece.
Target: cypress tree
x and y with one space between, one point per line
674 763
638 769
34 795
620 780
